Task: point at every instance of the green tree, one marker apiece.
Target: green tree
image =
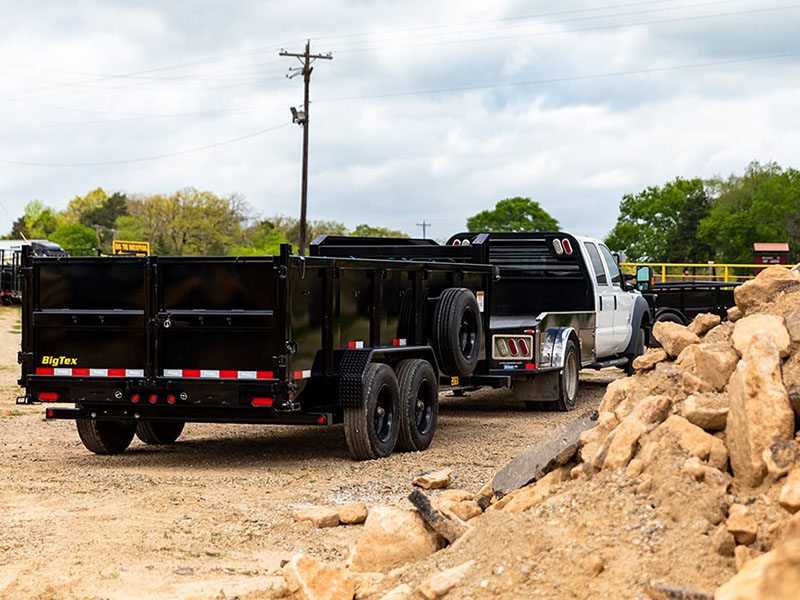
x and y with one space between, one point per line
262 239
762 205
661 222
291 228
80 206
513 214
40 220
76 239
364 230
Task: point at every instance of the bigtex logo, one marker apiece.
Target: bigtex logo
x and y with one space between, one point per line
57 361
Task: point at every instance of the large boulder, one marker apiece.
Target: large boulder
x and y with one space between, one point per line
309 579
765 287
709 410
392 537
771 325
703 323
673 337
759 410
713 363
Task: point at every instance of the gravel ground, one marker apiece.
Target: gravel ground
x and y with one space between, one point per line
214 511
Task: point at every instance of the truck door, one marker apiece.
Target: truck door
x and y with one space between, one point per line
623 303
605 343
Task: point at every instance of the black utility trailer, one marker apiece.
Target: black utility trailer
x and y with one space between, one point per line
363 332
10 292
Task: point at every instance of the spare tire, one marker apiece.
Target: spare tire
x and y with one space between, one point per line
457 331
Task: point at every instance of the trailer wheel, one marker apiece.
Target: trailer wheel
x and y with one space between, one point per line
159 433
457 332
371 430
419 404
106 437
568 379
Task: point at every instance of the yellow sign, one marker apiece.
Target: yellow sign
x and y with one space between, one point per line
133 248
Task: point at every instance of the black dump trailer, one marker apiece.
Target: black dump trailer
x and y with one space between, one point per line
10 281
363 332
142 345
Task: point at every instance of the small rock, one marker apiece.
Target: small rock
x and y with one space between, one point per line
743 554
711 362
400 592
457 495
594 564
439 585
695 441
790 492
709 410
309 579
703 323
673 337
722 541
649 359
485 495
317 516
354 513
781 457
184 571
623 442
635 468
702 472
434 480
464 510
734 314
442 521
741 524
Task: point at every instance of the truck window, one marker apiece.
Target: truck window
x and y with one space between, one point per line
597 264
613 267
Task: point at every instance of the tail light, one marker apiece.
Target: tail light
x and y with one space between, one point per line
136 398
261 401
523 346
171 399
153 399
512 347
48 397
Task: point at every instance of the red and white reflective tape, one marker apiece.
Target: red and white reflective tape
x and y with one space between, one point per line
302 374
76 372
356 345
216 374
399 342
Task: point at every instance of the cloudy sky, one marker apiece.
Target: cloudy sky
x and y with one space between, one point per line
425 112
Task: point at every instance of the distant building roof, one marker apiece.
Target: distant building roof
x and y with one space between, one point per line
771 247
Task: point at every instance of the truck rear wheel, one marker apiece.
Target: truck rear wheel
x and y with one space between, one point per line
371 430
106 437
568 379
159 433
457 332
419 404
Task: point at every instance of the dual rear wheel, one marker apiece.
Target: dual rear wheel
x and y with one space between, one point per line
114 437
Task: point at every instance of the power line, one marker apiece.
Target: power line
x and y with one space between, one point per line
145 158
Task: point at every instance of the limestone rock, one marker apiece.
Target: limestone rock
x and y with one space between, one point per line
703 323
742 554
623 443
392 537
485 495
790 492
354 513
695 441
720 334
764 287
440 520
649 359
788 306
368 585
709 410
400 592
439 585
651 410
635 468
760 324
615 393
781 457
464 510
692 384
712 362
791 379
722 541
525 498
309 579
317 516
741 524
734 314
673 337
759 411
456 495
434 480
703 472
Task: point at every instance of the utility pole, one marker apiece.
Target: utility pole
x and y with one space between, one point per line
301 118
424 226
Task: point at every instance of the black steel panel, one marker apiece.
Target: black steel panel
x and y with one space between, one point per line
204 348
93 348
100 284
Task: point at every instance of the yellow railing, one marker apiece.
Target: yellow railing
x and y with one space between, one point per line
726 272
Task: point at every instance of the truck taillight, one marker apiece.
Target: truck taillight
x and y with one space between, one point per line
261 401
171 399
512 347
153 399
136 398
502 347
523 346
48 397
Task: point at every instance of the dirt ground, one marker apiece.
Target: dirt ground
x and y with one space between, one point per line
213 512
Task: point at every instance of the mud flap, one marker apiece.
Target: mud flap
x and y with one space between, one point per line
541 388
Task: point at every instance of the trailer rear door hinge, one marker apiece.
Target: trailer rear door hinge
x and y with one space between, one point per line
280 360
24 357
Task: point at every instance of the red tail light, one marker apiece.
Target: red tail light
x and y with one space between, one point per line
48 397
171 399
567 246
136 398
321 420
153 399
523 346
512 347
262 401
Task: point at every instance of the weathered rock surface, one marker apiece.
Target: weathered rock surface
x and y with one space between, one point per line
439 585
772 326
392 537
649 359
309 579
464 510
624 440
723 541
673 337
317 516
764 287
434 480
440 520
456 495
712 362
525 498
400 592
703 323
781 457
759 410
790 492
695 441
354 513
720 334
709 410
741 524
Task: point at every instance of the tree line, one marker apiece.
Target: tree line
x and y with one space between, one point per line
187 222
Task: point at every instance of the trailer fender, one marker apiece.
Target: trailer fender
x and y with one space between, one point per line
353 365
554 345
640 317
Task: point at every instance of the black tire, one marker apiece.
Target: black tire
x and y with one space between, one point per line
371 430
159 433
670 318
638 350
405 318
419 404
106 437
568 383
457 332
